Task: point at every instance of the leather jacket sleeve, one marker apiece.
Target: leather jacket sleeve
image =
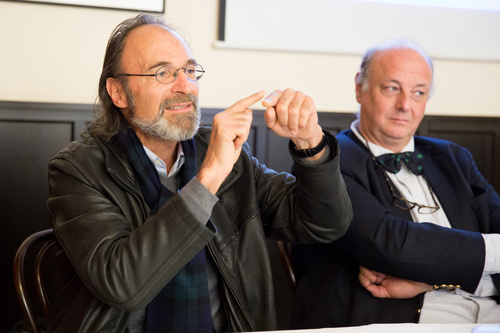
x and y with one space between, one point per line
310 208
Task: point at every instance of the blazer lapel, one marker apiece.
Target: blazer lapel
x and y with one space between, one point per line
382 187
448 188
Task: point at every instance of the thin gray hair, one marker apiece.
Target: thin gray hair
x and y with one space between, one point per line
363 77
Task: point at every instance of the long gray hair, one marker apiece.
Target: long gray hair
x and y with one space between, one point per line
109 120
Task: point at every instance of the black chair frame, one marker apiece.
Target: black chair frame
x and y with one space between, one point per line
24 296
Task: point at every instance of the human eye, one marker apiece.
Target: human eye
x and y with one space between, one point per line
420 93
390 89
163 73
191 71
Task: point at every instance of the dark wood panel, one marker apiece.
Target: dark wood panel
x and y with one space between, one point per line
25 149
481 136
30 134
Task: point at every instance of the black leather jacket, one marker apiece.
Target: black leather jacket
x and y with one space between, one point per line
104 227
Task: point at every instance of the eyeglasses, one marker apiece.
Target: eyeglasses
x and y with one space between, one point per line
168 73
404 204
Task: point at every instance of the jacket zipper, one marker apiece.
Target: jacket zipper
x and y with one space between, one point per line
209 246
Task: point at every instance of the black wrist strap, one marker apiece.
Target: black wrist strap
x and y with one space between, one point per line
309 152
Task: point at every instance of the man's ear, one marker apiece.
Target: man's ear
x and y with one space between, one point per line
359 88
116 92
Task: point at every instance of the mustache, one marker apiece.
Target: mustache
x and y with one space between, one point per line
187 98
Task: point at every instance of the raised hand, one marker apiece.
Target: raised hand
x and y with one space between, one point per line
385 286
230 130
292 114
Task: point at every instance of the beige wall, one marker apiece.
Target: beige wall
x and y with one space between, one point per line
51 53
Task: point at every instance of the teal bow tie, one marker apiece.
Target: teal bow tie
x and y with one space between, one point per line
392 162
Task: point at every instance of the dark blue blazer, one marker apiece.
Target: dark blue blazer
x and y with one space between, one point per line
384 238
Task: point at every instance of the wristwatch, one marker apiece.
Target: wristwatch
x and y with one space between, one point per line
309 152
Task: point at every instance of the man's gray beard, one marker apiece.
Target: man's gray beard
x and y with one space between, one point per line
176 127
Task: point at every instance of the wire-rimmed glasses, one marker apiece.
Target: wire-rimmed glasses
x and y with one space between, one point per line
168 73
404 204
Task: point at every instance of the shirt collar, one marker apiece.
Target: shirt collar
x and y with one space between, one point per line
160 165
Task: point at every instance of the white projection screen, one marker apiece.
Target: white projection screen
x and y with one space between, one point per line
447 29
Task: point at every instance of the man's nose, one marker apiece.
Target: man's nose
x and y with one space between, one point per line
403 101
181 82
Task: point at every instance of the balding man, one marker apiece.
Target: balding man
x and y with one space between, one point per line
424 243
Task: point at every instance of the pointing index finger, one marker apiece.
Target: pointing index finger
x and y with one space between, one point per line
248 101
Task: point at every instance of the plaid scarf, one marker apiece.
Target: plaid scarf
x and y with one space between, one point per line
183 305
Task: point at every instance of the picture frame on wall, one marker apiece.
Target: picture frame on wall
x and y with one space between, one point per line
153 6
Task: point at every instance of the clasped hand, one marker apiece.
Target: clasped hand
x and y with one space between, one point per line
385 286
289 113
